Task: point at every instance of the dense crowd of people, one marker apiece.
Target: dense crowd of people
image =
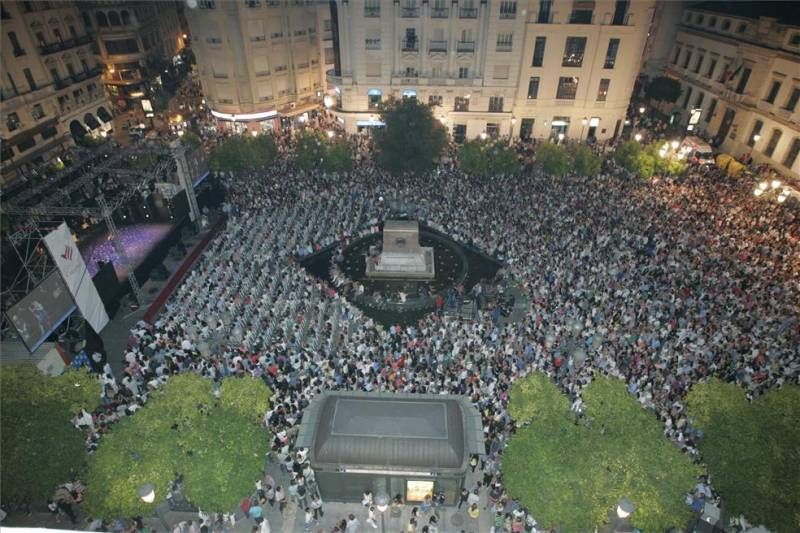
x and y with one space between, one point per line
661 283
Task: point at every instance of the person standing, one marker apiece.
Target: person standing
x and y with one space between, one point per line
280 496
462 499
316 506
352 524
371 519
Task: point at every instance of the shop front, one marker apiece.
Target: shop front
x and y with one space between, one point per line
411 445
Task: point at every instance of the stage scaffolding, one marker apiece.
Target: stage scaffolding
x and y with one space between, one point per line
26 240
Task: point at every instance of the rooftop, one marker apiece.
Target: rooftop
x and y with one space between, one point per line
784 12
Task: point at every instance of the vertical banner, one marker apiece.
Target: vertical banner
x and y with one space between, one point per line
79 282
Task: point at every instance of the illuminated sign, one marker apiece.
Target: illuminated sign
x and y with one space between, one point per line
245 116
416 491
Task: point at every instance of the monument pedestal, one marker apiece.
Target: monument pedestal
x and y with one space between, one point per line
402 256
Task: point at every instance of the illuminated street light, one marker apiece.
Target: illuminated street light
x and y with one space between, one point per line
674 145
513 120
642 110
763 185
328 101
584 121
756 137
483 135
638 137
776 184
330 134
758 192
147 493
782 198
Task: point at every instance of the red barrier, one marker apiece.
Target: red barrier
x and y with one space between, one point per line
177 277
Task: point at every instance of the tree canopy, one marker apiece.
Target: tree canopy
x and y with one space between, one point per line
663 88
217 446
313 150
752 450
572 473
412 140
553 158
243 153
584 161
41 449
484 157
647 161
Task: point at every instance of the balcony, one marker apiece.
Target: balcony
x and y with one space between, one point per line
437 47
465 47
409 12
61 84
504 47
52 48
372 11
468 12
439 12
410 45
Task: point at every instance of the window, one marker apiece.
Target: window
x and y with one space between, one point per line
573 52
252 3
582 11
677 55
372 8
757 125
699 63
791 154
12 121
372 43
726 25
712 22
435 99
459 133
29 78
14 90
411 72
620 10
526 129
686 97
773 142
711 67
501 72
698 102
795 41
725 70
773 91
461 104
373 99
504 42
125 46
463 72
26 144
611 53
40 40
687 58
543 17
791 102
699 19
7 152
495 104
409 93
439 9
743 79
206 4
602 90
492 129
59 38
710 113
437 72
37 112
410 41
567 88
533 88
742 28
508 10
18 51
538 51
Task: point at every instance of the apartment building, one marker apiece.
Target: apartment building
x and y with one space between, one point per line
532 68
51 88
740 79
258 60
135 42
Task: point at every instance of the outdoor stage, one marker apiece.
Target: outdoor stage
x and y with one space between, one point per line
139 240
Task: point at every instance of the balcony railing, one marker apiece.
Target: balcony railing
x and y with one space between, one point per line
409 12
468 12
437 46
372 11
65 45
466 47
504 47
410 45
439 12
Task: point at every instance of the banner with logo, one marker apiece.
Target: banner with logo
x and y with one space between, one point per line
79 282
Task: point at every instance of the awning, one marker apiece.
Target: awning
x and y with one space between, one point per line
91 121
299 110
104 115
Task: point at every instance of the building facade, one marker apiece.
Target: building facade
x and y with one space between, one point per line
135 42
258 60
534 68
51 88
740 80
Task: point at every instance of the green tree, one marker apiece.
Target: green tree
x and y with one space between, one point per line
309 152
664 166
553 158
243 153
190 139
664 89
40 447
573 474
752 450
339 157
217 446
412 140
627 155
584 161
472 158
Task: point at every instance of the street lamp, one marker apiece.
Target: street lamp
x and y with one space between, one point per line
756 138
330 134
147 493
638 137
560 137
776 184
674 145
642 110
483 135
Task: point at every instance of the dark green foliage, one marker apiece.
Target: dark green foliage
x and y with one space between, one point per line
553 159
584 161
243 153
488 157
412 140
663 88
